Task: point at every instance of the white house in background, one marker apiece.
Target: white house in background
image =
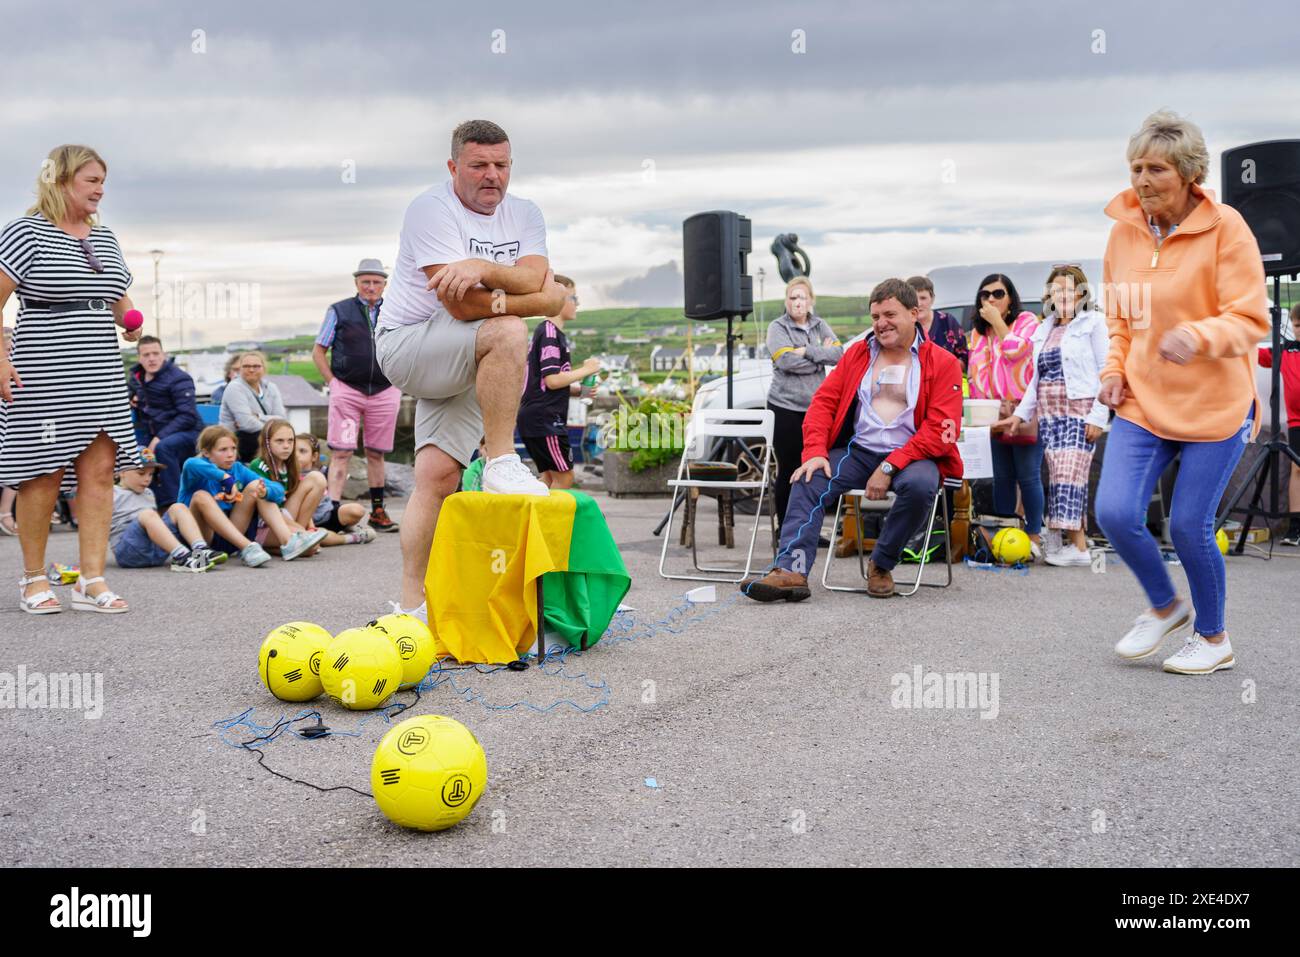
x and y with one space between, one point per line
585 331
631 340
621 362
665 359
299 399
704 329
248 345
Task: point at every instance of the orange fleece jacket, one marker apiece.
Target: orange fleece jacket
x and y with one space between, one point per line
1207 278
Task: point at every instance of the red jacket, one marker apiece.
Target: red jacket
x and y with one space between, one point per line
937 415
1290 381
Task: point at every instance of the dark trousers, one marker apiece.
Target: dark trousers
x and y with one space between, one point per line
850 468
787 443
1019 465
171 452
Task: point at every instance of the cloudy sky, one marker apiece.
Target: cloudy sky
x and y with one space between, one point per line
274 144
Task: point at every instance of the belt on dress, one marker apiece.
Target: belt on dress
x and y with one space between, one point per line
74 305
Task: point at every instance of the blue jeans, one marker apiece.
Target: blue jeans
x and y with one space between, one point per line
1019 465
1133 464
914 487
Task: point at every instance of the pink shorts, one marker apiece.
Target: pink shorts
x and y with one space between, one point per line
353 412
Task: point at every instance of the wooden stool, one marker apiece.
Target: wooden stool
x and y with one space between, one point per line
711 472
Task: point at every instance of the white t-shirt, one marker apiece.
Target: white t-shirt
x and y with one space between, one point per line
438 228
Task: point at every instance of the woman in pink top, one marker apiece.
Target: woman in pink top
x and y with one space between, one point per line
1001 365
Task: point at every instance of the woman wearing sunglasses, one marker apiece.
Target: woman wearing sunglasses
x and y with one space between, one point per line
65 416
1001 365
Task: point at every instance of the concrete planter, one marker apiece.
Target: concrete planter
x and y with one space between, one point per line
622 482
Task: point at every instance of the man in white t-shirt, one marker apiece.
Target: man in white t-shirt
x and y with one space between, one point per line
471 263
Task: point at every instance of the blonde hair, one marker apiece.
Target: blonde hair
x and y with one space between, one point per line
1179 140
209 437
800 281
254 352
57 171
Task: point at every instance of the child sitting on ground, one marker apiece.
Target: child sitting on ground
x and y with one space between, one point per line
141 538
277 461
342 520
227 498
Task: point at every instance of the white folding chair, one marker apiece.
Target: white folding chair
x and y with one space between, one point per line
884 505
730 424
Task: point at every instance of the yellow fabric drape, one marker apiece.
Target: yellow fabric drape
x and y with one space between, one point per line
488 553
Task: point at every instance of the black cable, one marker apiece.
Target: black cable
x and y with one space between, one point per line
285 723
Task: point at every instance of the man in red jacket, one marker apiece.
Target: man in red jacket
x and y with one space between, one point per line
886 419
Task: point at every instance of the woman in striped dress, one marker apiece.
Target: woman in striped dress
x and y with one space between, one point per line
65 416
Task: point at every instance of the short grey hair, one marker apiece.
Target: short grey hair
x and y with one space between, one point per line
476 131
1167 134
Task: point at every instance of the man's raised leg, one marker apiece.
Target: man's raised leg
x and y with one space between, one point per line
500 349
437 475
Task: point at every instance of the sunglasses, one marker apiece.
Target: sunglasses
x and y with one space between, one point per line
993 294
1067 266
91 258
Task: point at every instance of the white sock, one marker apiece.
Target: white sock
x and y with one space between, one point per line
180 551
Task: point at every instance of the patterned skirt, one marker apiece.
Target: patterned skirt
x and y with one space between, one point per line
1061 429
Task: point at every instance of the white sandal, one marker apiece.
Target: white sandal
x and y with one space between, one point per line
100 603
32 603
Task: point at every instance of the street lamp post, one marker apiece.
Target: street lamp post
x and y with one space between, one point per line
762 274
157 255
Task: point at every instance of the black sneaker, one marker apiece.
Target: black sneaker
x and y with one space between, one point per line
380 521
193 562
1292 538
213 558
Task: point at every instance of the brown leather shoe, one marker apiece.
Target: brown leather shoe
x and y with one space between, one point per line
777 585
880 584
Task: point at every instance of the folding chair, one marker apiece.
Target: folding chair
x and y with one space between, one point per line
884 505
730 424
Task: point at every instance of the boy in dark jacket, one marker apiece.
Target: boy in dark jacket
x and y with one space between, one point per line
167 420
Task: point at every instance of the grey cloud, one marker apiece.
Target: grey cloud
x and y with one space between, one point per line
659 286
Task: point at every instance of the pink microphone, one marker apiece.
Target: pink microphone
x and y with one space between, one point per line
133 320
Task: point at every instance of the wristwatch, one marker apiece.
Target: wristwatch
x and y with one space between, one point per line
888 469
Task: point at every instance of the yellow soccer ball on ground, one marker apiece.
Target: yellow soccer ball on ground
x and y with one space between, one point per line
360 669
1221 537
414 643
289 660
1010 546
428 773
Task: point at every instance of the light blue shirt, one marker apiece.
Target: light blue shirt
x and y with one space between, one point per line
870 432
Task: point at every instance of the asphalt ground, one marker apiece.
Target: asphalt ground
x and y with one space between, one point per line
727 733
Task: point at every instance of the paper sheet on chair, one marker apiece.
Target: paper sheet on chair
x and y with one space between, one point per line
975 446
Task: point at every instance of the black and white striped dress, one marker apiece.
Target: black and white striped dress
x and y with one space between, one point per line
74 383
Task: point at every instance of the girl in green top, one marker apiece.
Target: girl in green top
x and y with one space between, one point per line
276 460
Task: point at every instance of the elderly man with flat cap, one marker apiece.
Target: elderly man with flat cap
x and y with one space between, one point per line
362 400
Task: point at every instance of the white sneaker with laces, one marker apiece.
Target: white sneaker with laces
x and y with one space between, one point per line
1148 631
1069 555
1199 657
507 475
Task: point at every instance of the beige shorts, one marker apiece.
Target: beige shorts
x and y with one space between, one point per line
434 361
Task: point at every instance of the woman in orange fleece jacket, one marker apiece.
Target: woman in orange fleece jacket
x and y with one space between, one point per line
1185 305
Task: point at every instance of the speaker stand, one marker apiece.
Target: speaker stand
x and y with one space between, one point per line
1268 468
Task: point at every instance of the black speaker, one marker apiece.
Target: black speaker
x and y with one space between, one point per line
715 247
1262 182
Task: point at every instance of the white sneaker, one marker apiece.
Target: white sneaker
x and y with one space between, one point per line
1199 657
1069 555
421 611
1148 631
506 475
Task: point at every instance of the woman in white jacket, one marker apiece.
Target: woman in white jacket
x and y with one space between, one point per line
1070 348
249 402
